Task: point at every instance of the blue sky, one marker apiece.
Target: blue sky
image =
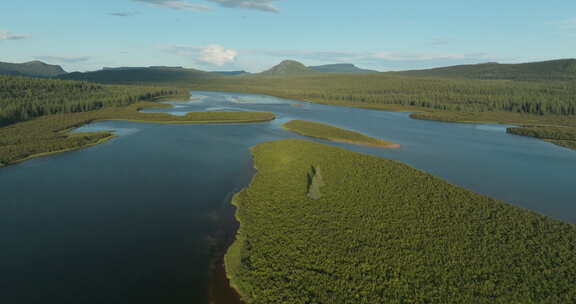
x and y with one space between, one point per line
256 34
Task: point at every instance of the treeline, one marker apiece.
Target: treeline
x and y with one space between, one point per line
24 98
381 90
403 237
562 136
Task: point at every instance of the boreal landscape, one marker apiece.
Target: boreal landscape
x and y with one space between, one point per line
295 170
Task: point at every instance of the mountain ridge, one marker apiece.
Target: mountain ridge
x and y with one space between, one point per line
33 68
341 68
288 68
558 69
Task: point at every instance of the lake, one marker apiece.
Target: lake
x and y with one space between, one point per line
144 217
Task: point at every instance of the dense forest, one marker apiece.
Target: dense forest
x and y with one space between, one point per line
403 237
379 91
24 98
324 131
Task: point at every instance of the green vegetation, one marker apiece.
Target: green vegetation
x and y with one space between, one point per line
37 113
287 68
171 76
340 68
48 134
541 103
562 69
24 98
403 237
324 131
562 136
381 91
32 69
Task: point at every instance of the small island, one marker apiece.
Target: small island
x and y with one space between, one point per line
328 132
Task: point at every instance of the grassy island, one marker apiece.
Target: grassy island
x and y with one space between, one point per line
383 232
328 132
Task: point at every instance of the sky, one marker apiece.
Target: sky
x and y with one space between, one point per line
253 35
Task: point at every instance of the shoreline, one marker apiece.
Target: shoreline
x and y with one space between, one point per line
43 154
221 290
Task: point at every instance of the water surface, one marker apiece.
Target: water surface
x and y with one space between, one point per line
137 218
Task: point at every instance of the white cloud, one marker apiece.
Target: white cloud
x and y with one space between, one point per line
217 55
213 54
261 5
7 35
177 5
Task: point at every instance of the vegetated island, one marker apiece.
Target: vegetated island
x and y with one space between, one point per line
36 114
378 231
328 132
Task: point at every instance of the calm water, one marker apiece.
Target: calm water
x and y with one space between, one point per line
137 218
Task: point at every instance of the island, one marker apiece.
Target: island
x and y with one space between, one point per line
328 132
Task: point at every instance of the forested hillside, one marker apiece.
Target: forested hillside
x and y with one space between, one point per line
557 70
142 76
382 91
340 68
32 69
24 98
288 68
383 232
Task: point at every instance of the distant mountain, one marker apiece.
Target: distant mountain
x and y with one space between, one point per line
32 69
141 75
230 73
287 68
340 68
562 69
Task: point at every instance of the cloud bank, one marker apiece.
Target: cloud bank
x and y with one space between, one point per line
261 5
177 5
213 54
7 35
